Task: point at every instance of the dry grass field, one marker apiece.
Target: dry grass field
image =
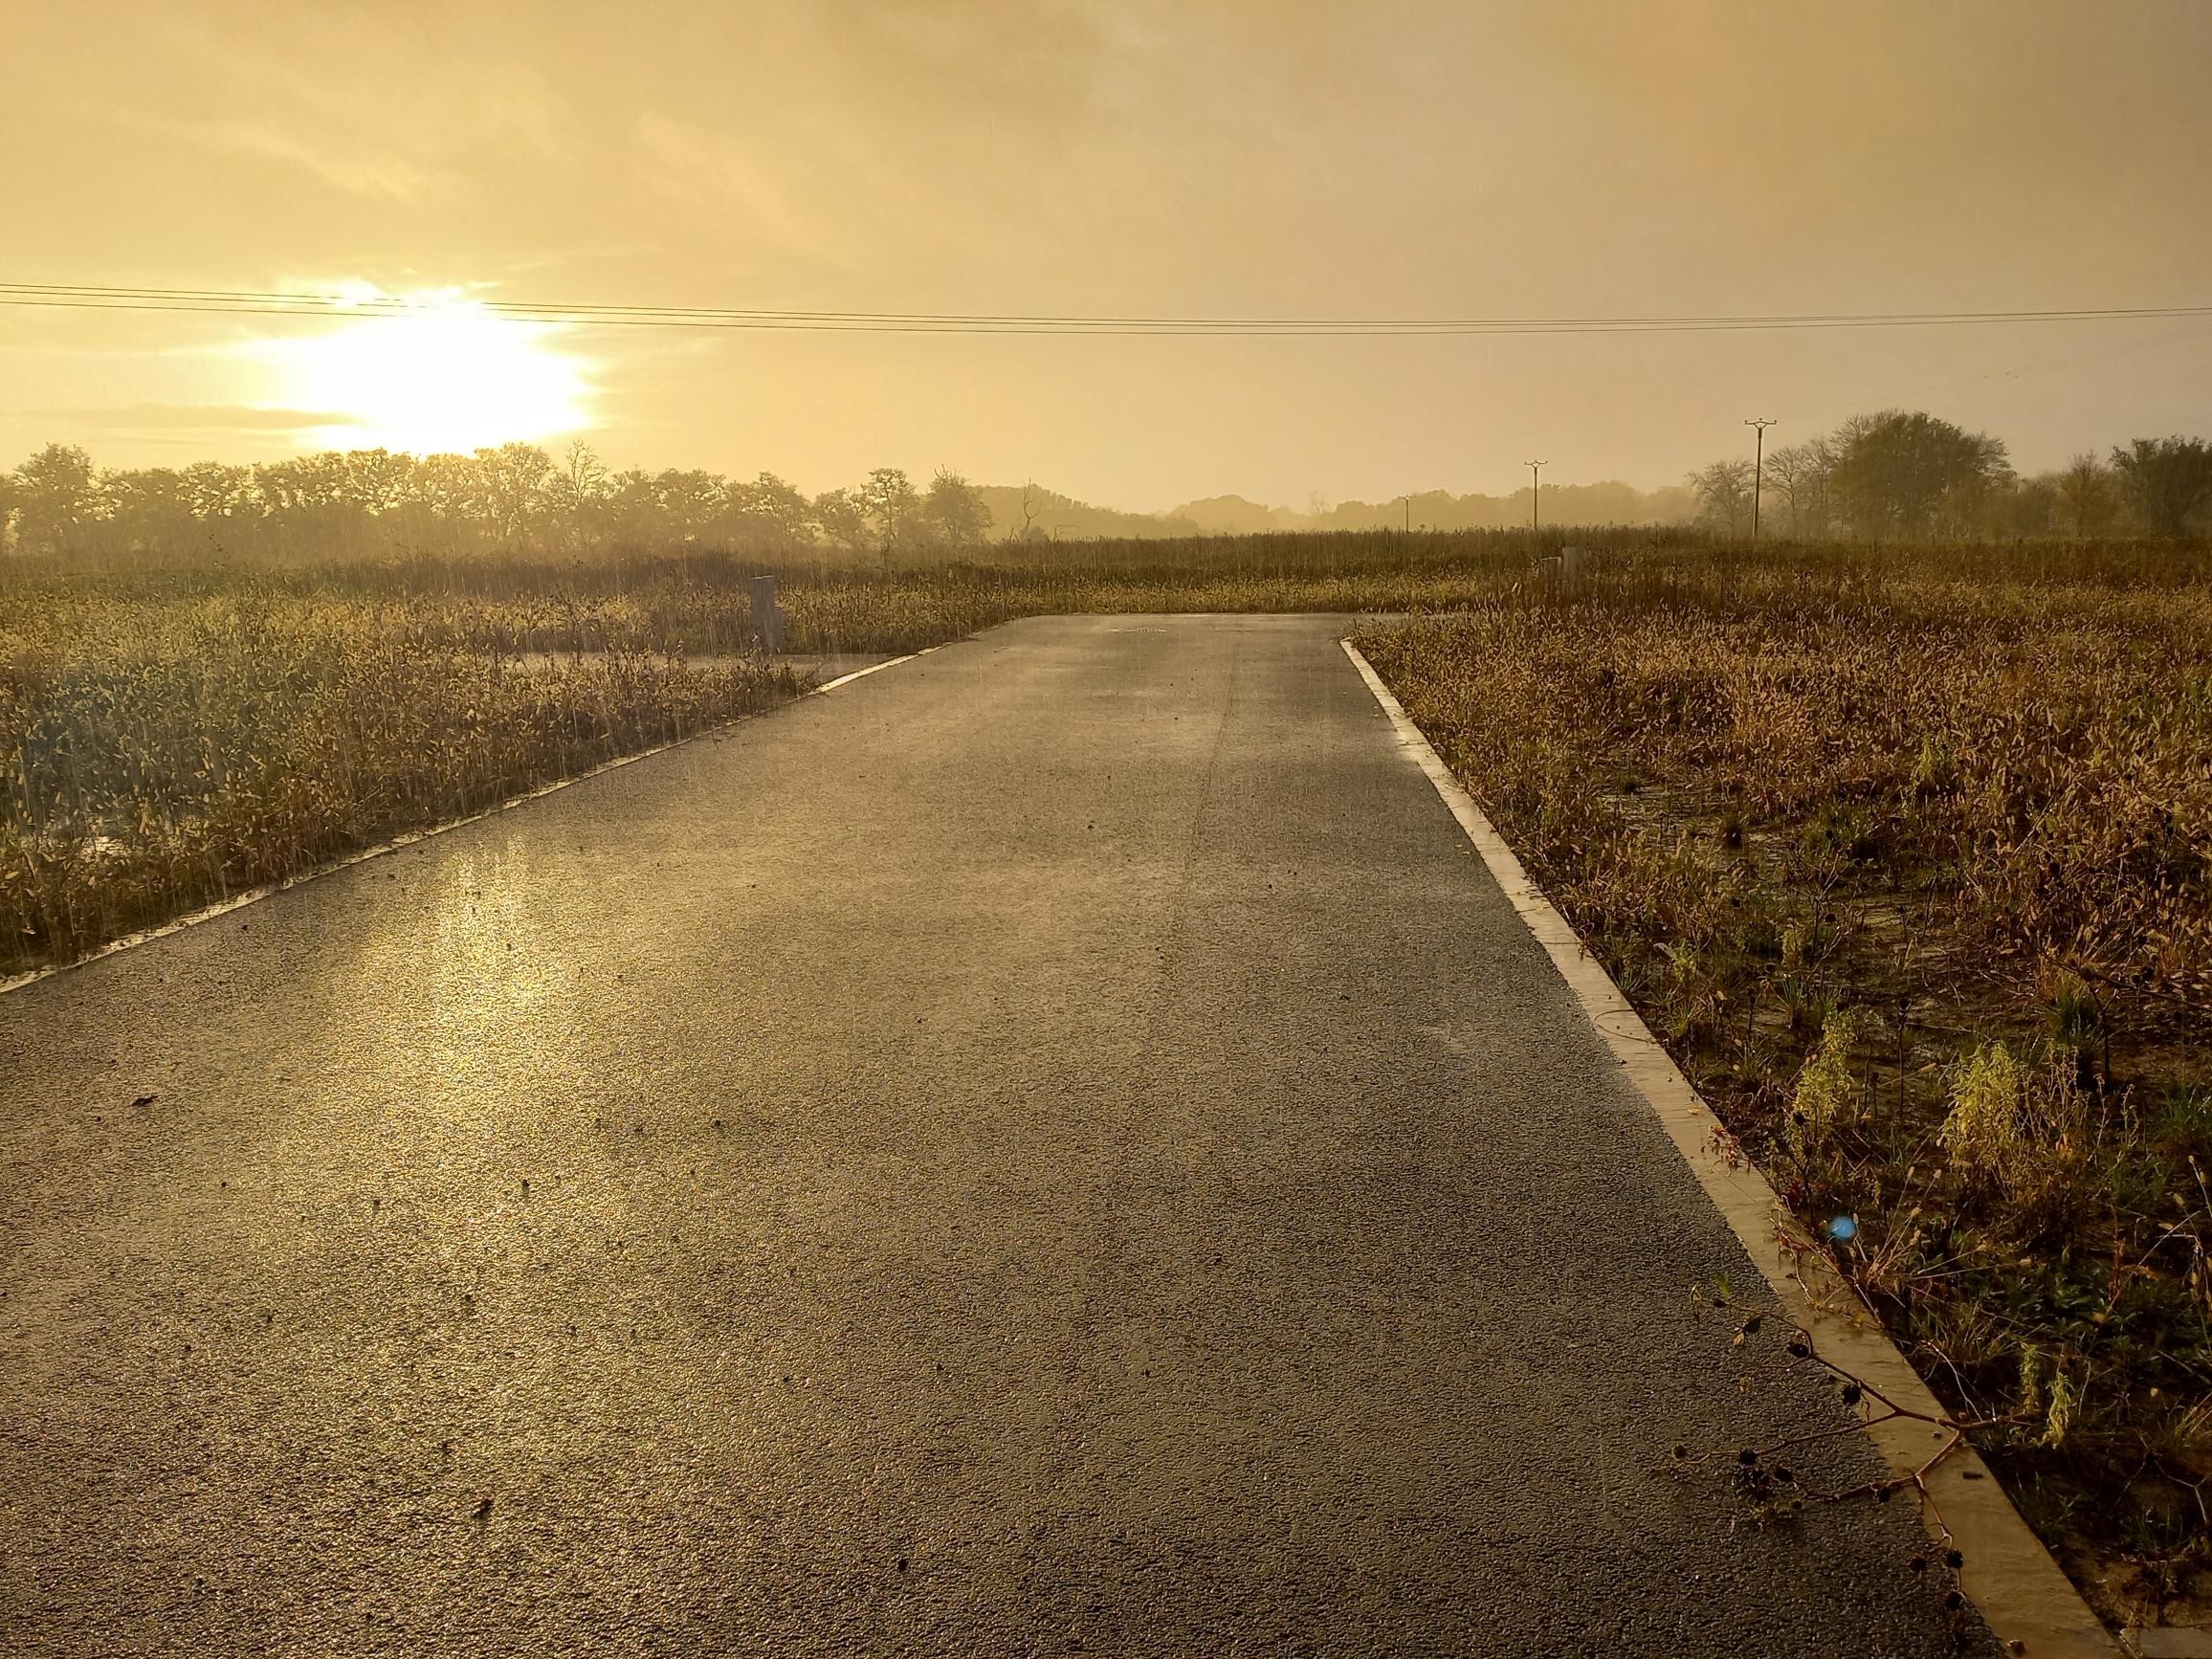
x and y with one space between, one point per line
164 754
1908 859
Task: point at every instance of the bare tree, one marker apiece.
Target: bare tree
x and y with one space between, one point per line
1799 476
1724 495
2085 496
577 493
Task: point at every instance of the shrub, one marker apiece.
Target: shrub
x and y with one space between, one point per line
1827 1094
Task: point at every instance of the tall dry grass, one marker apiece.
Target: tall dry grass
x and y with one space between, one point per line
156 755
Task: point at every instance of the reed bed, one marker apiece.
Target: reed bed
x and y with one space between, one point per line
160 756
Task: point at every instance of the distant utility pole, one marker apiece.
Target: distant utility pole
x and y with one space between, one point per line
1535 489
1757 467
1409 515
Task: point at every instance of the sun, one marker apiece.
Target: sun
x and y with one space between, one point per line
439 374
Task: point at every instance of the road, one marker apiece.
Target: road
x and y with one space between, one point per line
1055 1146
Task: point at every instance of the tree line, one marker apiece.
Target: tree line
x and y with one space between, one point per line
1892 477
1907 476
369 503
352 502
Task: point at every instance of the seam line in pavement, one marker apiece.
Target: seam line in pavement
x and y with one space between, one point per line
2019 1587
269 888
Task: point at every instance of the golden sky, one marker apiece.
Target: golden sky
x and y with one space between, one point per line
1103 157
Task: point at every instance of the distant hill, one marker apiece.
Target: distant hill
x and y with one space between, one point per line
1047 514
1234 516
1606 504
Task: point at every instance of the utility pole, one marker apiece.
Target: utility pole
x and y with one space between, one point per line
1757 467
1409 515
1536 488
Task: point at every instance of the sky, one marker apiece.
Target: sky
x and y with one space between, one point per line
1113 158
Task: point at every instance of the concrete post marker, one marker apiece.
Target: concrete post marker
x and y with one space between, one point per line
767 616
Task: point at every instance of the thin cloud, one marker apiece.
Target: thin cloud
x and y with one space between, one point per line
359 171
324 91
155 417
704 169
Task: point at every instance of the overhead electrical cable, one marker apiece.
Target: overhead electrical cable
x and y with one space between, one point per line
269 304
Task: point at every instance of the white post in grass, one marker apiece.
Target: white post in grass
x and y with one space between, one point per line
767 618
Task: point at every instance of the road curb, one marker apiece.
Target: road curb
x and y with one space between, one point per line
270 889
2026 1600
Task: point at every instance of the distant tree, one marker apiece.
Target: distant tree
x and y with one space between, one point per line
57 500
148 508
627 512
311 505
576 496
690 504
9 493
449 500
1906 475
2021 509
770 514
2086 497
216 491
222 502
894 508
1798 474
843 518
1723 493
511 489
2166 480
1977 503
581 470
380 481
954 511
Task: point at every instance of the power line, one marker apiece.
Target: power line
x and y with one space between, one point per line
262 303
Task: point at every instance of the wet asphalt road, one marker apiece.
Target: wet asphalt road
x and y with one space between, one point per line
1057 1146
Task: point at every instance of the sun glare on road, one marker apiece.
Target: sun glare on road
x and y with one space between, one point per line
440 373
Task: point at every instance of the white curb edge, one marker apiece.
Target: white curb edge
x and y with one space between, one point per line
2026 1600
